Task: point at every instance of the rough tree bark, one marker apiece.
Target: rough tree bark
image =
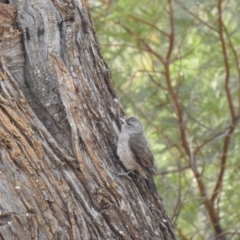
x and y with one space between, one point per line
59 120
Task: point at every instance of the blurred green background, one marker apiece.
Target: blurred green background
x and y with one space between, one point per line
175 65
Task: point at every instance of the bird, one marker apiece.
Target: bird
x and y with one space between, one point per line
134 152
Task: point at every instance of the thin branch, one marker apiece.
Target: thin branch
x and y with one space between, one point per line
208 204
187 53
178 205
170 87
225 59
227 140
178 170
149 24
198 122
148 48
235 119
198 18
172 34
158 84
218 135
237 65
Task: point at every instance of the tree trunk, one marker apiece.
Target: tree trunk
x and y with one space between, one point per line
59 120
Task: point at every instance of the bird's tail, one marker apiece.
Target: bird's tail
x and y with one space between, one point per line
151 184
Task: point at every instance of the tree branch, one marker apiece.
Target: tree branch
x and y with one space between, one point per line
149 24
148 48
225 59
235 119
208 205
237 65
223 160
198 18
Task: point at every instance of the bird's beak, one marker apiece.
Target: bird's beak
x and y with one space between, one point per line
123 120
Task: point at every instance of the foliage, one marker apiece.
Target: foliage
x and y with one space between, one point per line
176 65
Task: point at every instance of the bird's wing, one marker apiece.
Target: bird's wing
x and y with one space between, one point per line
139 146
